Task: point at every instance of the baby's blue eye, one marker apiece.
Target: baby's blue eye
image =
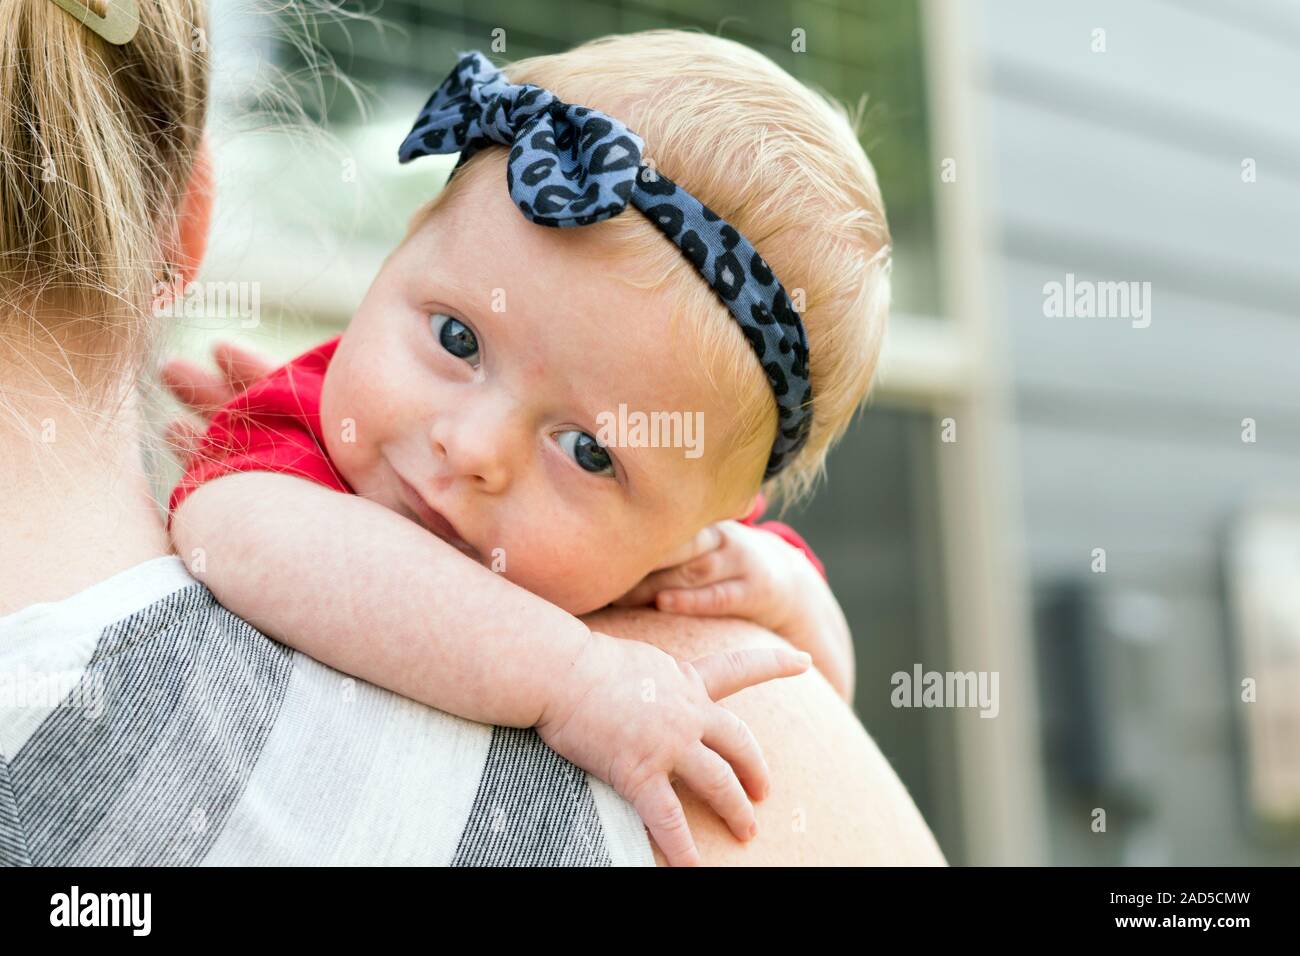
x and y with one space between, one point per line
456 337
587 452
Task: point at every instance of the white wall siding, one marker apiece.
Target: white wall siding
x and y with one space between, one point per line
1127 166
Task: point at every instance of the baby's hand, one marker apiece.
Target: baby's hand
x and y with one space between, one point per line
730 570
202 391
635 716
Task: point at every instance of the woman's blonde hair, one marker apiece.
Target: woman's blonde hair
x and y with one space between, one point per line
97 145
783 165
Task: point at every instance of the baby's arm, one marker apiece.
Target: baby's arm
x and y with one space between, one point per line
366 591
732 569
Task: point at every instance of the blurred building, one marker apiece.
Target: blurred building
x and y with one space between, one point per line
1156 143
1059 493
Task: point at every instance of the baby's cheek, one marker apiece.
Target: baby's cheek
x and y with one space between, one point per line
347 428
581 579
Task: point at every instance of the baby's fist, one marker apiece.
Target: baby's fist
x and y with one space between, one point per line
728 570
637 717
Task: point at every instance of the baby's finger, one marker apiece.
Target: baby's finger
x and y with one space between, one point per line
730 671
662 813
713 779
195 387
183 437
704 569
731 738
707 539
242 367
718 599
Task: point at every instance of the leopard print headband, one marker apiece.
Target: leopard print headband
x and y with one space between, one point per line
574 166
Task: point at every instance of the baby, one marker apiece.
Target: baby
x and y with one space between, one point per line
469 414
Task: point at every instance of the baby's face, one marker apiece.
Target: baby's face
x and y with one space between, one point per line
469 389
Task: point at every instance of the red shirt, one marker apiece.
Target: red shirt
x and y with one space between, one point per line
275 426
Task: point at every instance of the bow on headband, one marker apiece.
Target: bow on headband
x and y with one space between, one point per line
574 166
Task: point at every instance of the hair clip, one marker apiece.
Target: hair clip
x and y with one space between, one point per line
119 23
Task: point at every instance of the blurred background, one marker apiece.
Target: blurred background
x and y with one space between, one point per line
1101 511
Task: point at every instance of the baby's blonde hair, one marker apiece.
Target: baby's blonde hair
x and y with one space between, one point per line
783 165
97 145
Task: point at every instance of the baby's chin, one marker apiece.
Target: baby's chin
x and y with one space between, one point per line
577 605
565 593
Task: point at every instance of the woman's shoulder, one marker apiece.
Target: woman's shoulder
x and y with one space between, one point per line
834 799
179 733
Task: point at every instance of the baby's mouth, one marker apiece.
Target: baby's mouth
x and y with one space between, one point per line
432 520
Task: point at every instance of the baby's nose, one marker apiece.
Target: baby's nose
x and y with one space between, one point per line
475 447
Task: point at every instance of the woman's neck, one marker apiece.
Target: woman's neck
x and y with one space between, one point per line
75 504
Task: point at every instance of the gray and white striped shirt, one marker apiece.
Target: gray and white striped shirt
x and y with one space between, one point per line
143 723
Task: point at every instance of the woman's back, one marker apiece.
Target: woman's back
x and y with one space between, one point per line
147 725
